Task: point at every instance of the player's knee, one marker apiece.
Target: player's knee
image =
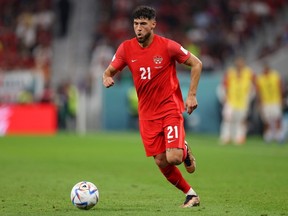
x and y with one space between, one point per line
174 159
161 161
174 156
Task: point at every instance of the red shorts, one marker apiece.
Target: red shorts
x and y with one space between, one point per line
161 134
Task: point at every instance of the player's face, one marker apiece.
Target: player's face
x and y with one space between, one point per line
143 29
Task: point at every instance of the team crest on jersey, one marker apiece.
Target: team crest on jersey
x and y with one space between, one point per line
157 59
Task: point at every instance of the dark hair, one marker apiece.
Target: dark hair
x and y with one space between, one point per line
145 12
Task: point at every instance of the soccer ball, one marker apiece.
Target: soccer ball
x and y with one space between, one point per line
84 195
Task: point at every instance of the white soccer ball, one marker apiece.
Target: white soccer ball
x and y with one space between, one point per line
84 195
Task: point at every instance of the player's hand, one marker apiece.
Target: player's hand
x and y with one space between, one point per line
108 82
191 104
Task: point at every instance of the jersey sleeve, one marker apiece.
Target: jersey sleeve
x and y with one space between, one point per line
177 52
118 60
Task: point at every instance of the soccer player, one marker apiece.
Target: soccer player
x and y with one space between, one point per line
269 89
152 61
238 84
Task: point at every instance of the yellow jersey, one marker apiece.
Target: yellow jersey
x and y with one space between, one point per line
268 87
239 86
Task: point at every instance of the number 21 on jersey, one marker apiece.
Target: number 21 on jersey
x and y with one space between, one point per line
172 132
145 73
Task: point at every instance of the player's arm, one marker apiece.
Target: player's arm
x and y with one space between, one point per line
108 75
116 65
196 69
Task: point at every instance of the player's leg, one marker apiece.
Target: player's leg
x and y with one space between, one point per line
177 149
154 143
226 125
240 122
276 113
174 176
171 172
176 156
241 131
225 131
267 123
279 135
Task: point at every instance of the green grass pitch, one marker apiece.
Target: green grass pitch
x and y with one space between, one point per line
38 173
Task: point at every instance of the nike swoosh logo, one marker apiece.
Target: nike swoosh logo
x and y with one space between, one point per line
133 60
169 141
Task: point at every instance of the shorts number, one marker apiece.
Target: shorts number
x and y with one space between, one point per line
145 73
172 129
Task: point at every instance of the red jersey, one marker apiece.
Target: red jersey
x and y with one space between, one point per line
153 70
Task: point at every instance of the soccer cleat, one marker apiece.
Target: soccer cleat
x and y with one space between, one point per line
191 201
189 161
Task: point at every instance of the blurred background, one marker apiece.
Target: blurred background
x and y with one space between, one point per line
53 54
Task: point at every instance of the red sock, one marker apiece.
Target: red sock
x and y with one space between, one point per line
174 176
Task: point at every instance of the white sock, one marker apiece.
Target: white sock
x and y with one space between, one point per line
191 192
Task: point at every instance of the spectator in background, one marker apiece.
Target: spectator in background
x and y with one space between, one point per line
48 95
238 90
25 96
72 94
270 97
133 107
44 16
67 102
61 102
24 27
42 55
26 30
